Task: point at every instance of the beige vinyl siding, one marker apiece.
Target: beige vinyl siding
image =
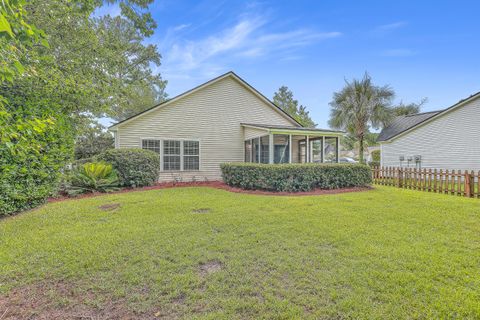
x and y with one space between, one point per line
251 133
451 141
211 115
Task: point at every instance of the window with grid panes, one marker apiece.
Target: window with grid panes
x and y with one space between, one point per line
153 145
191 155
171 155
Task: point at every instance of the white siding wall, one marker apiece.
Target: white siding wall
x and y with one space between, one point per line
451 141
211 115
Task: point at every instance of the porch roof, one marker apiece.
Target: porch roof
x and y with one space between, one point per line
280 129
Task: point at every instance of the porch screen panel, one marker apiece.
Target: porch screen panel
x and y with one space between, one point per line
256 150
316 146
264 149
331 149
248 151
281 151
171 155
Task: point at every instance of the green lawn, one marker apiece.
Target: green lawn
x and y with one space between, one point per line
200 252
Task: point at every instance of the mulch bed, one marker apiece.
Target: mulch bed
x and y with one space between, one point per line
216 185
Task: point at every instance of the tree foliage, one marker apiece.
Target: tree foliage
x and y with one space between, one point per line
92 142
283 98
359 106
60 67
403 109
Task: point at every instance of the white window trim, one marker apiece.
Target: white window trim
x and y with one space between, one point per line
182 140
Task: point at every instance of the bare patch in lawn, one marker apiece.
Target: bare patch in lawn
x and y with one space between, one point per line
109 206
201 210
60 300
204 269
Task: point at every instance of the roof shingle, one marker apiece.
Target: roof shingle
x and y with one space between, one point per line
403 123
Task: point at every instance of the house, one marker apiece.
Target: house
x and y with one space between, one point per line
445 139
222 120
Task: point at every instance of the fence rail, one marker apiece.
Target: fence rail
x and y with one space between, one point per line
454 182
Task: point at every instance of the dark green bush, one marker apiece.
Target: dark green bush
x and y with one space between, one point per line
374 164
33 151
295 177
375 155
135 167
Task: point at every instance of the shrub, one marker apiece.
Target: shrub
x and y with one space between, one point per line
374 164
91 177
33 151
295 177
375 155
135 167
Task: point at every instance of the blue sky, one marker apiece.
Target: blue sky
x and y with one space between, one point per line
420 48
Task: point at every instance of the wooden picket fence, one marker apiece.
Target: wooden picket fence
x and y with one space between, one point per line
454 182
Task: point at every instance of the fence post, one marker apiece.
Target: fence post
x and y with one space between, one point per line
399 177
468 190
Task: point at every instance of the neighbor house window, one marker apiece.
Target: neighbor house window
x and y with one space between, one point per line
191 155
171 155
153 145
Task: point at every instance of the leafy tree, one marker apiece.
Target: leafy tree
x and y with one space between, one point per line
350 142
60 67
412 108
92 142
283 98
359 106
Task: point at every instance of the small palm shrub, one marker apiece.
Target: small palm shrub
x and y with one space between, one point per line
93 177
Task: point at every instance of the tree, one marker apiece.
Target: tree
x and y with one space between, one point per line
60 66
93 141
93 65
283 98
412 108
359 106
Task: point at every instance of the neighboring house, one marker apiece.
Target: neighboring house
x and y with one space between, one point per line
445 139
222 120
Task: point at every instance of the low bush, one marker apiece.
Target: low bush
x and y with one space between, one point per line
375 155
295 177
135 167
374 164
92 177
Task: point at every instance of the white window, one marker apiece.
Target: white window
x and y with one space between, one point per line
191 155
171 155
153 145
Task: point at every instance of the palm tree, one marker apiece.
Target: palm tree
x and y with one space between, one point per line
359 106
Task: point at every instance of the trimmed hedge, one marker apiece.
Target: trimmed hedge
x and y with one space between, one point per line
135 167
295 177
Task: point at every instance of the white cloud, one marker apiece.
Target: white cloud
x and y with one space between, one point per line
391 26
247 39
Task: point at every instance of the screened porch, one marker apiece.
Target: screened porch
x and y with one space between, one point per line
281 144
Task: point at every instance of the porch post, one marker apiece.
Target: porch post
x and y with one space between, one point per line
270 148
323 149
338 149
307 148
289 148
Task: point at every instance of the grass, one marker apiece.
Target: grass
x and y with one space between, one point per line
206 253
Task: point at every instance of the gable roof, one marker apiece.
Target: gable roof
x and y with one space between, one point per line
403 124
208 83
